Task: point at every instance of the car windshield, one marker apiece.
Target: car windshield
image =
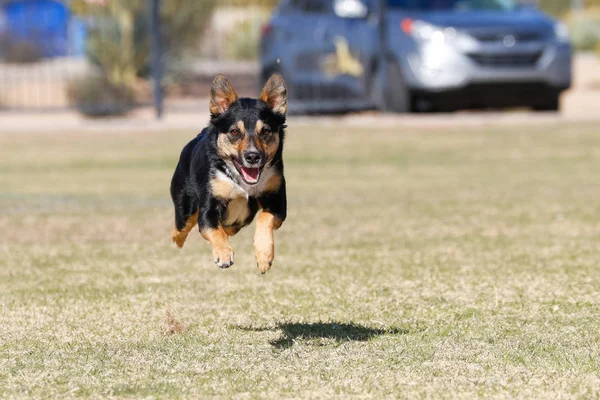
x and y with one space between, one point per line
453 5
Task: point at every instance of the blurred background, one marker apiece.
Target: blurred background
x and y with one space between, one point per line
115 57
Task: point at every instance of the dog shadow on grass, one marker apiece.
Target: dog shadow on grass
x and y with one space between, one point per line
341 332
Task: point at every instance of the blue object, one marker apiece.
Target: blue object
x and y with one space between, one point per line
48 24
77 37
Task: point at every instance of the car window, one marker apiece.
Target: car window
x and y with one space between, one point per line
458 5
310 6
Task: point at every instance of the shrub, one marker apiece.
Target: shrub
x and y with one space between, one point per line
21 52
183 24
119 44
96 96
585 30
561 7
243 41
585 35
555 7
119 39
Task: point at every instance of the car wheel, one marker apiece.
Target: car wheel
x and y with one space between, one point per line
550 104
396 95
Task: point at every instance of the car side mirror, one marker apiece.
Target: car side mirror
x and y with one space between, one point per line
350 9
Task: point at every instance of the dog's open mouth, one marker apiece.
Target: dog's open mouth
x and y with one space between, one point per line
249 175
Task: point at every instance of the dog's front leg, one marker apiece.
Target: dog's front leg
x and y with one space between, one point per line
222 251
264 245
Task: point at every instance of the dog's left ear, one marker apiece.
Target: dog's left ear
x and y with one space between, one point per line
222 95
275 94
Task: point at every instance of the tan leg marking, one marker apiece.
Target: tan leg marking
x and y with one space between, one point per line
222 251
231 230
264 245
180 236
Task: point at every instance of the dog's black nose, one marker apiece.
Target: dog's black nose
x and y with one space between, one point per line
252 157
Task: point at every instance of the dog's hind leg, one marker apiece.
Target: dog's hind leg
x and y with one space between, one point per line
186 218
180 234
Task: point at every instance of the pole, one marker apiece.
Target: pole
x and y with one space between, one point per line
157 71
382 54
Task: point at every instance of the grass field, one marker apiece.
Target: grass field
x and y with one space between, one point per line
452 263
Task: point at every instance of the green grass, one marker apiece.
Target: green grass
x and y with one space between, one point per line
414 263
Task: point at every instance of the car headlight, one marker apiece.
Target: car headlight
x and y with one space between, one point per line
561 32
425 32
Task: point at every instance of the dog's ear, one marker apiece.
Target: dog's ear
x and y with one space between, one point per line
222 95
275 94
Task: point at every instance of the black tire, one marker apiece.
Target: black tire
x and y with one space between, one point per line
551 104
397 97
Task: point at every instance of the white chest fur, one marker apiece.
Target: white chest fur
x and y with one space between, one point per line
237 212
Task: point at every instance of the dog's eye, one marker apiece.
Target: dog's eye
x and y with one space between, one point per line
266 132
234 132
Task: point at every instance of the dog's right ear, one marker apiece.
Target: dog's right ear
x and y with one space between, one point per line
275 94
222 95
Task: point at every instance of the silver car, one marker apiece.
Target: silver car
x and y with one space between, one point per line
440 55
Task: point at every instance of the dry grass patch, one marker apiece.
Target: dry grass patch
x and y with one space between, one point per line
446 263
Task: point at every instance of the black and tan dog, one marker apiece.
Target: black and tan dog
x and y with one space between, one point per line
232 170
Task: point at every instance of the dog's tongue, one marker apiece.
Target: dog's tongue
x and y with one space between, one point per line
250 174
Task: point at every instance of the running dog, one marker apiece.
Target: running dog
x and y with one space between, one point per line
233 170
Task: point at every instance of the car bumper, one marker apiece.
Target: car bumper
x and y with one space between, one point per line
444 69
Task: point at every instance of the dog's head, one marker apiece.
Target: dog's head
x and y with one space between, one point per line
250 131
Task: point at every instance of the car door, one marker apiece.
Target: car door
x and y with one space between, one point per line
325 54
302 47
351 47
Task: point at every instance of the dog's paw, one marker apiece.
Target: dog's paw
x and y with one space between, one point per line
223 257
264 261
179 238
